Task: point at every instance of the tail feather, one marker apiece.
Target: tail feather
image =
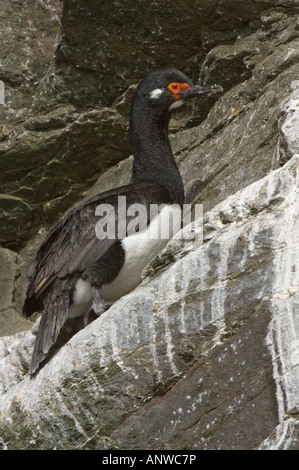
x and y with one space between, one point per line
54 315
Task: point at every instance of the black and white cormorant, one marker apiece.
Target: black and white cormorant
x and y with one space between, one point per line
74 270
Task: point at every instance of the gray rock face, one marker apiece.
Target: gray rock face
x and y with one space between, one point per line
205 351
204 354
67 94
10 320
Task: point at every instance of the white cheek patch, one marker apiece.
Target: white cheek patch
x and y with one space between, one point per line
176 105
155 94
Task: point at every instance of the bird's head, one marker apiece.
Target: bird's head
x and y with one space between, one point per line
167 90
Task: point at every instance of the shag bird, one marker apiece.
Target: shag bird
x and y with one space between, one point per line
77 269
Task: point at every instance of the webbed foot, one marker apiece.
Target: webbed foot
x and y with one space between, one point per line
99 305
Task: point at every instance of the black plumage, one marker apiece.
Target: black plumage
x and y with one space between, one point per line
71 250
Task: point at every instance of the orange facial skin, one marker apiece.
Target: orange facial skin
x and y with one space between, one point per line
176 88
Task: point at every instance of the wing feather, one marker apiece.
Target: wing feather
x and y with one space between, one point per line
52 319
71 246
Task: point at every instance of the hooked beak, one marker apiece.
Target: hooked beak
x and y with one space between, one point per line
198 90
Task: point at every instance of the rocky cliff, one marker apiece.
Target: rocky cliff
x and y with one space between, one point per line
204 354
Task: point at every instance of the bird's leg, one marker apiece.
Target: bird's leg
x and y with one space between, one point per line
99 304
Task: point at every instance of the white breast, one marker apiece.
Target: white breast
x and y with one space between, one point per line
140 248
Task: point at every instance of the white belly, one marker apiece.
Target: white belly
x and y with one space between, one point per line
140 248
82 299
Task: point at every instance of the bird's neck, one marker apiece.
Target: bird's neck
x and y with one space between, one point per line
153 157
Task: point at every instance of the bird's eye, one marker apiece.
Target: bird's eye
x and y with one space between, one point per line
176 87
